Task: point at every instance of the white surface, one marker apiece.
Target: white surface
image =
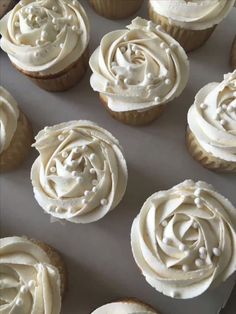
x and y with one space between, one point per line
98 256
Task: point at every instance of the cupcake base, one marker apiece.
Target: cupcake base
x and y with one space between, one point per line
188 39
116 9
56 261
63 80
233 55
134 117
206 159
19 147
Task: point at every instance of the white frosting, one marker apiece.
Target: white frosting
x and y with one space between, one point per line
193 14
139 67
184 239
124 308
212 118
28 283
45 35
9 114
81 173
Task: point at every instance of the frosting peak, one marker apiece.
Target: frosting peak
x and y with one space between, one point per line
81 173
139 67
184 239
45 35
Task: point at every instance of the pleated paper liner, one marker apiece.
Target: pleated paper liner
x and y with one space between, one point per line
206 159
134 117
63 80
116 9
19 147
233 55
56 261
188 39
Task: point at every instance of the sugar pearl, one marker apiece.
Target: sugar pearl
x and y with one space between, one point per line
198 262
202 250
216 251
185 268
74 28
164 223
222 122
94 189
103 202
86 193
64 154
92 157
195 225
24 289
54 8
31 284
203 106
19 302
157 99
168 50
182 247
61 138
173 46
163 45
84 201
197 192
198 202
53 169
167 81
92 171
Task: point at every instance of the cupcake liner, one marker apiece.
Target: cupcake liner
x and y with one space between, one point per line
63 80
56 261
188 39
116 9
134 117
206 159
233 55
19 147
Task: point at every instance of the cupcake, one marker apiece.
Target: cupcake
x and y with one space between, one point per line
47 41
211 132
126 306
33 277
192 22
5 6
116 9
183 240
233 55
80 174
137 71
16 134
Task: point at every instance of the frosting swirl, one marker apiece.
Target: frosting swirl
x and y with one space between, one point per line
212 118
184 239
124 307
193 14
28 283
9 114
45 35
139 67
81 173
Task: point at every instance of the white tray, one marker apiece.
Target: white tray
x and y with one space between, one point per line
98 255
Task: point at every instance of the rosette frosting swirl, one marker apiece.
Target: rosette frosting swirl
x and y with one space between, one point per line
28 283
9 114
81 173
139 67
212 118
124 307
184 239
193 14
45 35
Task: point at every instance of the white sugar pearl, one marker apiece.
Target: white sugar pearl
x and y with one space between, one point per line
123 49
61 46
92 157
164 223
167 81
84 201
54 8
104 202
149 76
85 148
61 138
44 34
195 225
157 99
203 106
31 284
222 122
86 193
163 45
158 28
202 250
219 110
92 171
38 19
185 268
64 154
168 50
74 2
58 210
94 189
199 262
216 251
173 46
182 247
53 169
126 81
19 302
126 38
166 240
198 202
24 289
197 192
